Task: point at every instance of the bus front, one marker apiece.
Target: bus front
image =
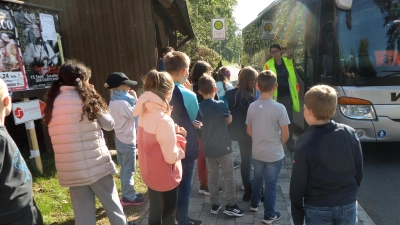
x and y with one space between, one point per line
366 68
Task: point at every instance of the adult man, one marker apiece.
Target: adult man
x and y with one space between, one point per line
286 93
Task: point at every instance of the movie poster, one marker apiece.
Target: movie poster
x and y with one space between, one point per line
39 46
11 66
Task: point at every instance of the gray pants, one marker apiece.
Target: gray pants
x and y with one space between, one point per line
229 179
83 202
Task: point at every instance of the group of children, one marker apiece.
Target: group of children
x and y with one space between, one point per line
173 127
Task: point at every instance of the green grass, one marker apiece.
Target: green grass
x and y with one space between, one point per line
55 204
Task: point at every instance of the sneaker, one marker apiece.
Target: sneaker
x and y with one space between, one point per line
140 195
269 220
137 201
202 189
221 189
254 207
233 210
243 187
215 209
236 165
131 223
206 192
195 222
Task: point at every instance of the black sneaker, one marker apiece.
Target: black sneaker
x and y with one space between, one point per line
269 220
236 165
195 222
254 207
233 210
215 209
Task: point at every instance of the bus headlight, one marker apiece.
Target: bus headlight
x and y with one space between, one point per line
361 112
355 108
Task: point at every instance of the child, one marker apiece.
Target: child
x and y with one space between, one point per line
186 111
162 145
199 69
16 198
223 84
217 147
267 124
239 100
164 51
122 103
327 165
75 114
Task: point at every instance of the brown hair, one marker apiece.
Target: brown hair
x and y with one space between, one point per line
200 68
175 61
247 83
160 83
75 73
266 80
222 77
322 101
206 84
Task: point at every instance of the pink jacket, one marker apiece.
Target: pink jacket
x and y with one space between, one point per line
160 149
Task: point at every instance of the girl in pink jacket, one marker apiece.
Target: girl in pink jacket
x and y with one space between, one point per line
161 147
75 114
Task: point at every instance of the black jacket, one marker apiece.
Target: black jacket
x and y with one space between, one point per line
327 168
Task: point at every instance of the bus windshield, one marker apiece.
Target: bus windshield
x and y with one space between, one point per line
368 40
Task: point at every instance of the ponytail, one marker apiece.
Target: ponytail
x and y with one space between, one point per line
160 83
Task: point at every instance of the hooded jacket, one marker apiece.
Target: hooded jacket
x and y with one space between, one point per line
160 148
80 152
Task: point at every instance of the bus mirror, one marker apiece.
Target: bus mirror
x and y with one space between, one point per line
344 4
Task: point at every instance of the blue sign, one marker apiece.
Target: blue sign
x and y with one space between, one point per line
381 134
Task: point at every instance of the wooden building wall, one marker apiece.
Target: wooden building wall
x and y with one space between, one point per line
108 36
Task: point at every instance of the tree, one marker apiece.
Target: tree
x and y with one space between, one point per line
201 12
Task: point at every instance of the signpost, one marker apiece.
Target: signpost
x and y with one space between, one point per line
218 30
267 30
26 112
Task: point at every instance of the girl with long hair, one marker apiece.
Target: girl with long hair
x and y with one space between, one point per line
162 146
239 100
223 83
75 114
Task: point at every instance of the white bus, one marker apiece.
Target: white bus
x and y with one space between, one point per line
353 46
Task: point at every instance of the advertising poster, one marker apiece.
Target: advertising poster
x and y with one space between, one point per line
11 66
39 46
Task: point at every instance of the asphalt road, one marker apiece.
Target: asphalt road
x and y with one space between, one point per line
379 193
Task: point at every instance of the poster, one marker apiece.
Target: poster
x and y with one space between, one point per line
41 56
11 66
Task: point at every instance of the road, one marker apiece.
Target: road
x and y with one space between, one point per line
379 193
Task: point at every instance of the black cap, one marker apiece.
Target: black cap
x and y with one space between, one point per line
275 46
117 79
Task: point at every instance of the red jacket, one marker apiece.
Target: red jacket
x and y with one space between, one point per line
160 149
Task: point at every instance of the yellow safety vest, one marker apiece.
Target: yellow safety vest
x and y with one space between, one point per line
270 65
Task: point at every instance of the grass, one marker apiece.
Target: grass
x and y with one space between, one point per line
55 204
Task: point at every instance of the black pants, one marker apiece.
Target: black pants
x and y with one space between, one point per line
245 165
286 100
29 215
162 207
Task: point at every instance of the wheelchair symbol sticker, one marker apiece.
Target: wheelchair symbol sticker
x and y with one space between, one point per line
381 134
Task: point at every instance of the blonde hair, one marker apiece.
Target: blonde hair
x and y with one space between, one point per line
176 61
160 83
322 101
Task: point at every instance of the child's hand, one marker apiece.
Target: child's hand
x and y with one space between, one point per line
188 85
133 93
197 124
180 130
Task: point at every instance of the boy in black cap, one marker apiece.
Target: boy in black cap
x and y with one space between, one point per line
122 104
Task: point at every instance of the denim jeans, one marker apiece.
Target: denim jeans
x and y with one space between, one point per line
269 173
126 156
245 165
338 215
184 189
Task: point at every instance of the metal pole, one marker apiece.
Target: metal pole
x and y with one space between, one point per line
220 49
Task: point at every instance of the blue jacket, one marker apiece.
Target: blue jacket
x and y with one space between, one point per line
181 117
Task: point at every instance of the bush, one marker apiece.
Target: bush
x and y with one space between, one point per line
198 52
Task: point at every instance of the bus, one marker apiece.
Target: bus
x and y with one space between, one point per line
353 46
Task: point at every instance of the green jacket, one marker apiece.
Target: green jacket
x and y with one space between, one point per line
270 65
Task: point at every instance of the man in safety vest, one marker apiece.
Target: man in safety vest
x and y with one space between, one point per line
287 93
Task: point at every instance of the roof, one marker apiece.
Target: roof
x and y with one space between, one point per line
262 13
